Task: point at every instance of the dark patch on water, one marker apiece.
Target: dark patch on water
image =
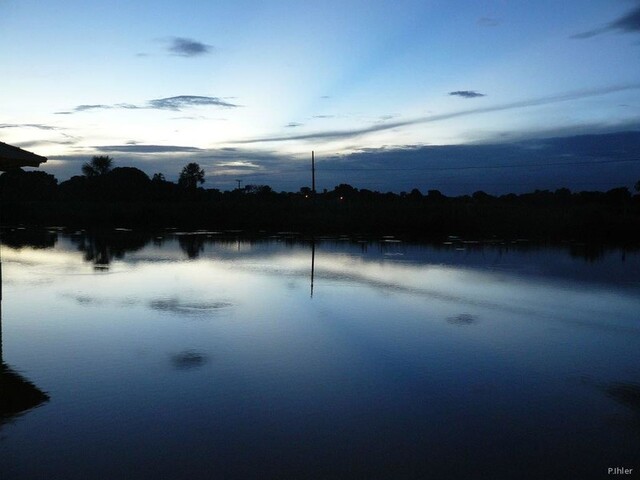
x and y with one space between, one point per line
463 319
627 394
173 305
188 360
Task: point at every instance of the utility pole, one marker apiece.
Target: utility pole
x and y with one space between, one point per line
239 182
313 173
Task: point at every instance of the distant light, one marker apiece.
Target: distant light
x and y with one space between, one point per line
306 196
341 198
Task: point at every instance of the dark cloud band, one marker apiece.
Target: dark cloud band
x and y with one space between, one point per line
629 23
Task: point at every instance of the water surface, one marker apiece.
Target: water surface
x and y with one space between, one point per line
205 355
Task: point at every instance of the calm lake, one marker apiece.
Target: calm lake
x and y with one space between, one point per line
205 355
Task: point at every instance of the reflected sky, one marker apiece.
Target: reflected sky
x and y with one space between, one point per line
224 359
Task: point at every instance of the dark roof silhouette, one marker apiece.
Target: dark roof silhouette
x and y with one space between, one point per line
14 157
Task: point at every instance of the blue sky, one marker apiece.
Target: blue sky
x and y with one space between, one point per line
247 89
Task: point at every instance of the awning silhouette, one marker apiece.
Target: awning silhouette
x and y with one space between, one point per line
13 157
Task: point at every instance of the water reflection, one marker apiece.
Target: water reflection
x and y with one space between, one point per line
101 248
408 360
17 394
192 244
31 237
188 360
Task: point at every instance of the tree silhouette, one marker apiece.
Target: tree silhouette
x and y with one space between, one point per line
99 165
191 176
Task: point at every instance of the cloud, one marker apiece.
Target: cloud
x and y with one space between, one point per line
39 126
551 99
239 164
175 104
293 124
141 148
185 101
45 143
186 47
467 94
629 23
85 108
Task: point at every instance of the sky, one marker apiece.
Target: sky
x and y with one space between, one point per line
494 95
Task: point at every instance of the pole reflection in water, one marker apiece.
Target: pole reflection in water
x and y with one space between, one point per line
313 262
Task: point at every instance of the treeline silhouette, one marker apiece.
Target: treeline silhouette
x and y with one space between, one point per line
127 197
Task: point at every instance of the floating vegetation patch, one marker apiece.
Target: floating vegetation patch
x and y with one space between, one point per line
188 360
84 299
174 305
463 319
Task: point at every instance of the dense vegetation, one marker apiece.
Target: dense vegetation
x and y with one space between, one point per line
127 197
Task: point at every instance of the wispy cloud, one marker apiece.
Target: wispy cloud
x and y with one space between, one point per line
467 94
185 101
239 164
293 124
39 126
45 143
176 104
186 47
141 148
342 134
628 23
86 108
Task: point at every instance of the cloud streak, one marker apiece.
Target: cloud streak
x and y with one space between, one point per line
342 134
629 23
175 104
39 126
186 47
467 94
136 148
187 101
